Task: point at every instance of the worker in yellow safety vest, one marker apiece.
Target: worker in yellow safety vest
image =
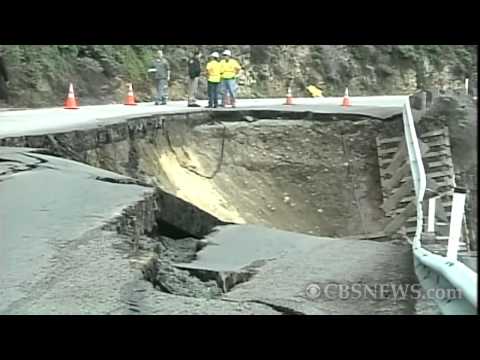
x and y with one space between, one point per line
230 70
214 76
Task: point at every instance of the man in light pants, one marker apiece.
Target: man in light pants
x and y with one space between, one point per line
161 68
230 70
194 72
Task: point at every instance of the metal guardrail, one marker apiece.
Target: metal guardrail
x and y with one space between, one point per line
435 271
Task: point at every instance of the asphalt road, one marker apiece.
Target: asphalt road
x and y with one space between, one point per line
47 204
288 263
54 120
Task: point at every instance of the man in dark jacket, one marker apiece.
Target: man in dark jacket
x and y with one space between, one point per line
3 79
194 71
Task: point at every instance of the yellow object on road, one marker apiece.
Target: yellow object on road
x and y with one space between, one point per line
314 91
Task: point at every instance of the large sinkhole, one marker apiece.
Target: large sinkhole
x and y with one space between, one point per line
316 177
313 176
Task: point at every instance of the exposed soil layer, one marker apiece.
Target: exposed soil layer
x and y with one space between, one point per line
313 176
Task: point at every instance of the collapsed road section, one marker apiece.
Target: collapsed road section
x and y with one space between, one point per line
153 231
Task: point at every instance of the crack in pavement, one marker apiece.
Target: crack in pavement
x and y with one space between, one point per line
40 160
278 308
10 160
281 309
123 181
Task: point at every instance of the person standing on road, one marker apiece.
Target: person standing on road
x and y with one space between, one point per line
3 79
194 72
161 68
213 77
230 70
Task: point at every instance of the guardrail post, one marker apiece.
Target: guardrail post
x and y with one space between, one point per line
456 219
432 204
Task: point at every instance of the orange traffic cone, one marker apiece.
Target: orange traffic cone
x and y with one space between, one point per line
289 97
346 99
130 99
70 101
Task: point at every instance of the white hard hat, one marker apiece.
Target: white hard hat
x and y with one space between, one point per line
215 54
227 52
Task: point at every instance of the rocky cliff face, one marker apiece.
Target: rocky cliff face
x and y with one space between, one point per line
40 74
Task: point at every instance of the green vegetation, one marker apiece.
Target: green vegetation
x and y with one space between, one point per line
40 74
